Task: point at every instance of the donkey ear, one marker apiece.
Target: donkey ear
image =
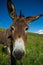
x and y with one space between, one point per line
11 9
33 18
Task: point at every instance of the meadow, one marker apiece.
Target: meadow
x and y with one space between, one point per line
34 51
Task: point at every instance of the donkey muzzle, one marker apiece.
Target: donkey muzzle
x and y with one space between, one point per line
19 49
19 54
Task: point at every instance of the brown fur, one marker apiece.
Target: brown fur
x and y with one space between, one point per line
4 37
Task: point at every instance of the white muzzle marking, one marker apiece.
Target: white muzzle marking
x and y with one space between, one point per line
19 45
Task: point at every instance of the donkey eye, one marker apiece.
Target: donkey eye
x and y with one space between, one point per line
12 28
26 28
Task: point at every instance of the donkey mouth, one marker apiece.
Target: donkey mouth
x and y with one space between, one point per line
18 55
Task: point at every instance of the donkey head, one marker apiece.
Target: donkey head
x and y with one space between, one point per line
18 28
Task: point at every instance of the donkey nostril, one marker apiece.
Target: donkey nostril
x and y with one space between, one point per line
18 55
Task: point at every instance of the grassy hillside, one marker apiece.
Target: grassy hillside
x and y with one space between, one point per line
1 29
34 51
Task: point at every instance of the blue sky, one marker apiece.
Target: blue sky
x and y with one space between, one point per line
28 7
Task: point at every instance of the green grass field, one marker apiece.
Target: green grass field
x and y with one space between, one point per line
34 51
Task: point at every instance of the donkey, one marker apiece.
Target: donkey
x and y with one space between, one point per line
15 37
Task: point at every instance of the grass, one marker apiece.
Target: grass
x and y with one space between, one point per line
34 51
